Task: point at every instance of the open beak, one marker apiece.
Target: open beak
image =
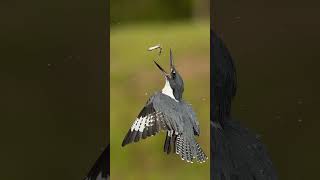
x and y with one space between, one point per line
162 70
172 68
171 61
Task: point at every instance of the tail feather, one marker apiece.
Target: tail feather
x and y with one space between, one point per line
201 156
178 145
189 153
189 150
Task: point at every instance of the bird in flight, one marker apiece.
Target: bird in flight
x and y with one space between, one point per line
166 111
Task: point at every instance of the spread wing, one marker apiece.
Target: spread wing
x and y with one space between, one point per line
159 113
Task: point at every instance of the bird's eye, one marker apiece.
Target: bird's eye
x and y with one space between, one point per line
173 74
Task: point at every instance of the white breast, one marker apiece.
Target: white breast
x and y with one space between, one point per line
167 90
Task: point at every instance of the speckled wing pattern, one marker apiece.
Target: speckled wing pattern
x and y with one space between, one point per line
162 113
148 123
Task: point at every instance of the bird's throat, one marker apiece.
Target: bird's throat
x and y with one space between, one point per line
167 90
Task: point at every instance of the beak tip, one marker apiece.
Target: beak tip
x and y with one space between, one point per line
171 59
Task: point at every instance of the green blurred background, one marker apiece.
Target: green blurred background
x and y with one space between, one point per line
135 26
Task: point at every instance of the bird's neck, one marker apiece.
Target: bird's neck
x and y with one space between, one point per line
167 90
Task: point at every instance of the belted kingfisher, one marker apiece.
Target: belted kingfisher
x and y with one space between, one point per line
101 168
236 153
167 111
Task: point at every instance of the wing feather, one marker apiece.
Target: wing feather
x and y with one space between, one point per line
150 121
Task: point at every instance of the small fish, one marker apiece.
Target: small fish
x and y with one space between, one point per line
158 46
155 47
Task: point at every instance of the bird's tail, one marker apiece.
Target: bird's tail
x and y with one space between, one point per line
238 154
186 147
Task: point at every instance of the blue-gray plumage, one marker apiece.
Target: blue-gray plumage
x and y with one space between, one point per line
167 111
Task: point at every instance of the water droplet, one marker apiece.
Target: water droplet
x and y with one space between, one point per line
203 99
299 120
49 65
146 94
